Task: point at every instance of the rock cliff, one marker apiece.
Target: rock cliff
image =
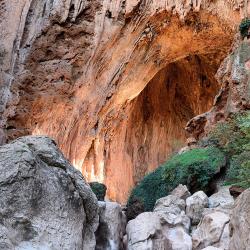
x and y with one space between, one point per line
113 82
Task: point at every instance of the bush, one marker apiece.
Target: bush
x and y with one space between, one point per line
244 26
99 190
233 138
194 168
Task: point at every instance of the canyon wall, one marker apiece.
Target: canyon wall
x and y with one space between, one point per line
113 82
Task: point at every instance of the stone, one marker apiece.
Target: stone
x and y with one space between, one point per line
240 224
222 199
171 209
168 201
45 203
210 230
112 226
195 206
181 191
150 231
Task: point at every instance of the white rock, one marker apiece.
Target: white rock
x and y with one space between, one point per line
112 226
221 199
181 191
172 210
170 200
210 230
150 231
195 206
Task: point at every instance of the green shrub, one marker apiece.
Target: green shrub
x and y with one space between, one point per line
233 138
244 26
239 170
194 168
99 190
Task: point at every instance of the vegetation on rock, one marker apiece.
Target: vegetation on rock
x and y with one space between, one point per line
99 190
194 168
233 138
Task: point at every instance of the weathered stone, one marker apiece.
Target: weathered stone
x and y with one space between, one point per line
221 199
151 231
44 202
210 230
195 206
112 226
172 210
240 223
181 191
168 201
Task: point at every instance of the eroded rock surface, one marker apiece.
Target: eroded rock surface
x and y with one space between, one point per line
112 226
77 71
45 203
165 228
240 224
181 191
212 229
196 205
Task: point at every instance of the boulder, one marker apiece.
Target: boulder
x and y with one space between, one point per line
112 226
240 223
181 191
151 231
195 206
168 201
172 210
212 231
45 203
222 199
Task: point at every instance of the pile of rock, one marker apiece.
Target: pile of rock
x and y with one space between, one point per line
184 222
46 204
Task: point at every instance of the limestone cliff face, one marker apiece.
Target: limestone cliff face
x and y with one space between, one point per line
113 82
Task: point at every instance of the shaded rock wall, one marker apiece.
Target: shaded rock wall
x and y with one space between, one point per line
72 70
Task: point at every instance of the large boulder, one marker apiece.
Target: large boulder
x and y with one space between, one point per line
172 210
166 227
212 231
195 206
150 231
45 203
240 222
112 226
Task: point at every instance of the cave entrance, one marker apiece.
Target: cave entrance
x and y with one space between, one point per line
156 120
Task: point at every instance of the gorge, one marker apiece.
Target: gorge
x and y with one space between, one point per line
113 82
150 98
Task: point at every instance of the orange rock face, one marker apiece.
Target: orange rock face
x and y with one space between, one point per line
113 84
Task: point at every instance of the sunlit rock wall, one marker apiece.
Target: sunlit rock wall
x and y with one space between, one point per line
74 70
